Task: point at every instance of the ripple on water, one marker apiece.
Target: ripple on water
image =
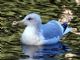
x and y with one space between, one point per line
44 52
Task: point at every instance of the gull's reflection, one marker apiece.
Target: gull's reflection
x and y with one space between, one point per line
44 52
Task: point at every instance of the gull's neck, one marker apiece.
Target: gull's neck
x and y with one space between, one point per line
34 28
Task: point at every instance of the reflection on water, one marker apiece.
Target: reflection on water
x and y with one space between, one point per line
44 52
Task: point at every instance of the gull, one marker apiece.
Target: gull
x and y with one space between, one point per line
36 33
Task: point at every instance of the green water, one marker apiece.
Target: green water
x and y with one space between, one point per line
15 10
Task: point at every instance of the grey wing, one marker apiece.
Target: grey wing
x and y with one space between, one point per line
52 29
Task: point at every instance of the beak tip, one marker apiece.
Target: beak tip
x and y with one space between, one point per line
14 23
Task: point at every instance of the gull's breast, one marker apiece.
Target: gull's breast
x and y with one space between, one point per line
30 37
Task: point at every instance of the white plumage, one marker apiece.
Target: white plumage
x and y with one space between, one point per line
37 33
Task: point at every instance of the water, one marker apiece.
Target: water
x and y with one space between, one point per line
44 52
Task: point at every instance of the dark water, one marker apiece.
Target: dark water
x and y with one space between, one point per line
44 52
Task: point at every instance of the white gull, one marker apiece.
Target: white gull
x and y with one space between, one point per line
37 33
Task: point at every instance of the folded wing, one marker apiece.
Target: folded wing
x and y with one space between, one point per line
52 29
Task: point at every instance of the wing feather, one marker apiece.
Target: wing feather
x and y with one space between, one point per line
52 29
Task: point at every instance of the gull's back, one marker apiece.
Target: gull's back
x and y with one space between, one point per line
52 29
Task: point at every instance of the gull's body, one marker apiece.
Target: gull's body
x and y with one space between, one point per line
37 33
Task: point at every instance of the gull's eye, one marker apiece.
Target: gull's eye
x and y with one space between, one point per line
29 18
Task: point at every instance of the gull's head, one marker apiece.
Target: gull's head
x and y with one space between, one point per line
32 19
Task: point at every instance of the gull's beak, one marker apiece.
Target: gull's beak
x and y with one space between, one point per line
22 21
17 22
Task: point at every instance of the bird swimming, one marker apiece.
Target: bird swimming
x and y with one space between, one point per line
42 39
36 33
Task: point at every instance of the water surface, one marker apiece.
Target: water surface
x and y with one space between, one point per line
44 52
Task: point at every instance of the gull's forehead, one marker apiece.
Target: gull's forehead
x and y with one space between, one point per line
33 15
